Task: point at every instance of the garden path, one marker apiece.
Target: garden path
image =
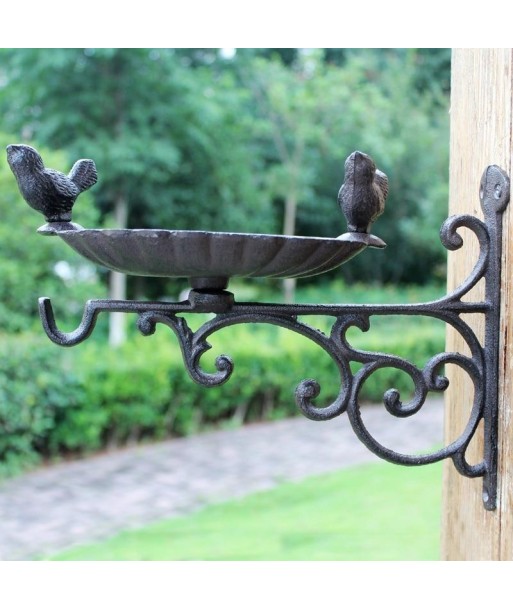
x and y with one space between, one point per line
70 503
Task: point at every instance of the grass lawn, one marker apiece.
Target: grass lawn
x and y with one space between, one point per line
371 512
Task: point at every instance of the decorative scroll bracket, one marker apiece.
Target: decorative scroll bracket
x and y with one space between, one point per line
482 366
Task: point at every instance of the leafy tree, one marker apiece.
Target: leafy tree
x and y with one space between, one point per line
161 133
187 138
293 109
432 67
165 138
311 116
406 131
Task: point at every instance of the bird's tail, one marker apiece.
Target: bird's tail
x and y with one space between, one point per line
83 174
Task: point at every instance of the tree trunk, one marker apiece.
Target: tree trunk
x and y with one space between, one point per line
289 228
481 127
117 281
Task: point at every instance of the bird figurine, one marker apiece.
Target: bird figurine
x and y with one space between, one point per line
46 190
363 193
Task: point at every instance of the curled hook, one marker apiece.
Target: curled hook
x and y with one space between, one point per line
68 339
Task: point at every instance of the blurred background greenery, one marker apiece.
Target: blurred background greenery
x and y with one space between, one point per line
249 140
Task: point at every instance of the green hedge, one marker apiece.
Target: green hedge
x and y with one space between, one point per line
37 387
56 401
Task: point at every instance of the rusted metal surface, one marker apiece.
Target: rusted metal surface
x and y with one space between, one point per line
481 366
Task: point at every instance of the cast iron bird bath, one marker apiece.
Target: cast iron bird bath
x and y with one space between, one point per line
210 259
207 259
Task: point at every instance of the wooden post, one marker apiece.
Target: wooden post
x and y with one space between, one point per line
481 135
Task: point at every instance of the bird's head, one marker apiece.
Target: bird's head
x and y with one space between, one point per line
20 157
361 163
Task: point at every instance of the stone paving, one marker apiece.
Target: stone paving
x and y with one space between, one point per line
71 503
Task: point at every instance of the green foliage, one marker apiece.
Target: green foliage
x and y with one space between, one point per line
37 387
166 139
311 113
346 515
129 386
186 139
173 146
382 112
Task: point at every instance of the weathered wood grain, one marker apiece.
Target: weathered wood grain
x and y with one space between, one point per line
481 124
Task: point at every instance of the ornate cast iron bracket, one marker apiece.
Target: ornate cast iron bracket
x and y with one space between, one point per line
209 296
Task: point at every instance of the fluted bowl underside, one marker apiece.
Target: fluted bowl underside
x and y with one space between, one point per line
199 254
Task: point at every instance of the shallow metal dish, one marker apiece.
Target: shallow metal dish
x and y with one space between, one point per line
209 259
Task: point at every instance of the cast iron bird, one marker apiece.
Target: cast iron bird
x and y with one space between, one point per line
48 191
363 193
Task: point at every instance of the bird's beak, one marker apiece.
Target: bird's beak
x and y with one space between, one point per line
360 155
15 152
11 149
